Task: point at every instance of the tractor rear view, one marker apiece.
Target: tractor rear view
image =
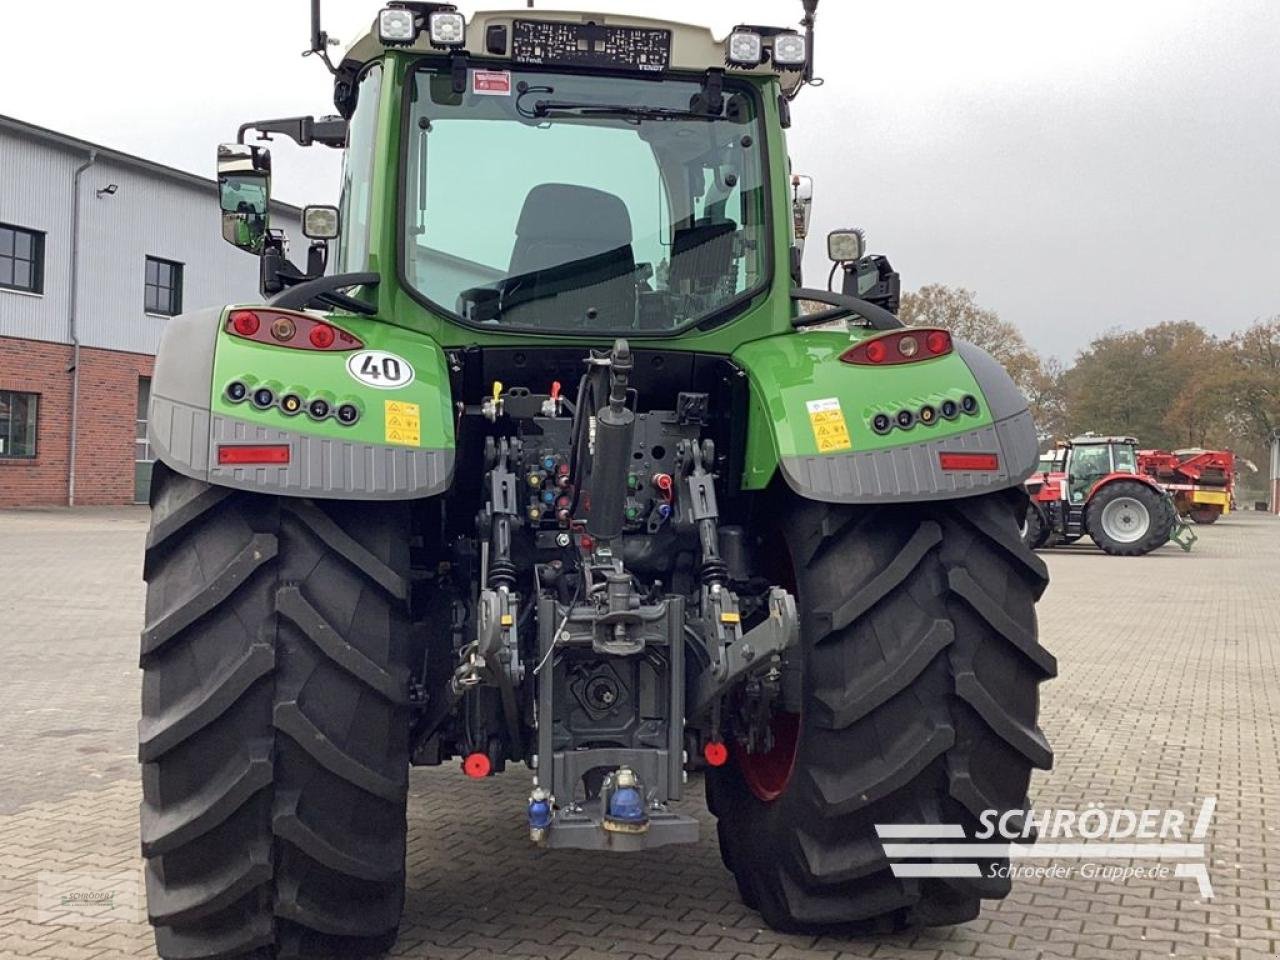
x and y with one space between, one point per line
546 473
1091 486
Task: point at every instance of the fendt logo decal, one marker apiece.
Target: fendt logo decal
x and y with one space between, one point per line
1087 840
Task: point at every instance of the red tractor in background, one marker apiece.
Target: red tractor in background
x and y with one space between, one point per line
1202 482
1092 485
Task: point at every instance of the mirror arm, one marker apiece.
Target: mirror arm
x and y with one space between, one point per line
304 131
843 305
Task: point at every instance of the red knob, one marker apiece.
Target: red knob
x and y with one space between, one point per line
715 753
477 765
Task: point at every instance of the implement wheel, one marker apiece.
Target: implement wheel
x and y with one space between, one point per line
1128 518
1206 515
920 670
274 731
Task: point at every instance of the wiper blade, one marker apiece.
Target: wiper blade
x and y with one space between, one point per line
547 108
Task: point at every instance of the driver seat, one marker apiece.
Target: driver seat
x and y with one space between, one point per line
572 254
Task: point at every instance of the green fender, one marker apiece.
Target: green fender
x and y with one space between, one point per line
400 447
811 415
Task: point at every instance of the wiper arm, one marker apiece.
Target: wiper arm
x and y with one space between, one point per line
547 108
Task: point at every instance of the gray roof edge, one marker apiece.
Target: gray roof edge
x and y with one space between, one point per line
36 132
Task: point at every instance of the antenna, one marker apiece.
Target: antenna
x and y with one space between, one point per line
810 17
319 39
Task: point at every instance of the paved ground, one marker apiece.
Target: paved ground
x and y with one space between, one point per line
1169 691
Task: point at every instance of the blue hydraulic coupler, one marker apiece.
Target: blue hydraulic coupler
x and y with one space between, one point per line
540 814
627 805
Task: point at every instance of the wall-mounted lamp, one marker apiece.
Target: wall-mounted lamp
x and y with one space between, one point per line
108 191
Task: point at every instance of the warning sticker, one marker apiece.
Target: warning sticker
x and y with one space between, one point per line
829 429
491 83
403 423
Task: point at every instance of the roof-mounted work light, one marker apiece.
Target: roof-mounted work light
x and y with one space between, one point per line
745 48
790 50
447 29
397 26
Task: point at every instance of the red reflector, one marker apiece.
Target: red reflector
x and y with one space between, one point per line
716 753
241 454
476 765
876 351
969 461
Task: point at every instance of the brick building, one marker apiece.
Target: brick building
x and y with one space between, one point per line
97 249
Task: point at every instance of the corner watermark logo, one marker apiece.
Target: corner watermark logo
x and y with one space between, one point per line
89 898
1086 844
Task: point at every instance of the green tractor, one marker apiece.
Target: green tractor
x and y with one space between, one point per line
557 463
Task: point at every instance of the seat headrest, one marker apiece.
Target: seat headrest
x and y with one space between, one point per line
562 211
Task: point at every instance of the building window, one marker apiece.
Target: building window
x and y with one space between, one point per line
21 259
163 287
18 424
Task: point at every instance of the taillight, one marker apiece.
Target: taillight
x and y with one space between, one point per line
289 329
886 349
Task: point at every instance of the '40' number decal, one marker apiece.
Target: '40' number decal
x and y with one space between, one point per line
379 369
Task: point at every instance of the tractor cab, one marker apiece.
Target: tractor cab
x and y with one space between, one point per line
1087 459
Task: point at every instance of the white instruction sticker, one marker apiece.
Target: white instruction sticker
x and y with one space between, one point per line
491 83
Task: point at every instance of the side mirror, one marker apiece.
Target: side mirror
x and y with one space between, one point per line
801 204
846 246
244 193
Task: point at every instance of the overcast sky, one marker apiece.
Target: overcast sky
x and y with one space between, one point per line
1082 165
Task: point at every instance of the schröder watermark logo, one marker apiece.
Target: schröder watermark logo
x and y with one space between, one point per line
89 898
1089 841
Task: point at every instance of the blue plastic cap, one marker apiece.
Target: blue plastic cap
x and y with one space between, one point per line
548 463
664 510
548 496
539 814
625 803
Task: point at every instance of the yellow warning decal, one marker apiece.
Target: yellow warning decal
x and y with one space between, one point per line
403 423
830 432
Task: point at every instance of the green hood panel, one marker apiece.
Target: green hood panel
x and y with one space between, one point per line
811 416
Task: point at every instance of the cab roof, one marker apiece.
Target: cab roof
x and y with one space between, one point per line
694 48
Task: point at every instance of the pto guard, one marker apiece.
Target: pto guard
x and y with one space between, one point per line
190 417
811 417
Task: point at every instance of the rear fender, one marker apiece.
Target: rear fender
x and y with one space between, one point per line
1111 478
810 418
401 447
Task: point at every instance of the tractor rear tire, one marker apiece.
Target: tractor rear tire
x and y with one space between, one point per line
1129 518
1035 526
919 677
275 722
1206 515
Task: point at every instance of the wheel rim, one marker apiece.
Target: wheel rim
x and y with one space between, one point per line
1126 520
767 774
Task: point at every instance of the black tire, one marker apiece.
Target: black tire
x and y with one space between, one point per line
1035 529
920 678
1205 515
274 731
1160 518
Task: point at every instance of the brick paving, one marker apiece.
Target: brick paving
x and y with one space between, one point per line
1169 691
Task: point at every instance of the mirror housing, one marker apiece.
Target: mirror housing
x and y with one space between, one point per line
321 222
846 246
244 194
